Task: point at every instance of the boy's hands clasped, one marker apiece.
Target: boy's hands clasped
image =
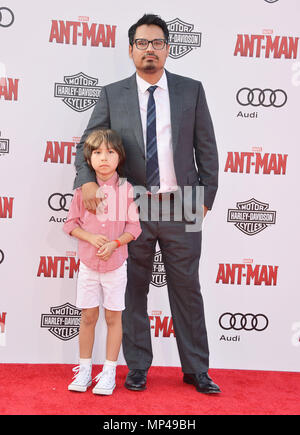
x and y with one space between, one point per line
104 245
97 240
106 250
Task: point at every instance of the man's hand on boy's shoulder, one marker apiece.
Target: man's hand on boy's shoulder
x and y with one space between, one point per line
89 191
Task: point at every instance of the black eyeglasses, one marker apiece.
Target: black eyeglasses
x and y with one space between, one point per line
157 44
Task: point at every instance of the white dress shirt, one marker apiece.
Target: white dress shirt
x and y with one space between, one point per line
168 182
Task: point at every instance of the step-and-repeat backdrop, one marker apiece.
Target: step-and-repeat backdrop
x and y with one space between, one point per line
54 58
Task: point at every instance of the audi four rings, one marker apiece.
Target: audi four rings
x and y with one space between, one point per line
60 203
261 97
239 321
6 17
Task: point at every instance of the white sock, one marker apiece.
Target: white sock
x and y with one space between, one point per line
110 364
85 361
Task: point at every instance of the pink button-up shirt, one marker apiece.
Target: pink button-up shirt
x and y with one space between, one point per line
116 215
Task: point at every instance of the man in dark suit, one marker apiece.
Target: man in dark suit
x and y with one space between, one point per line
169 140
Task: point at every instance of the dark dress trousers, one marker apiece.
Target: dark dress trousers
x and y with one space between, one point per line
196 164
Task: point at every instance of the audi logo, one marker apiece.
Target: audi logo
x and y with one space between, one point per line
239 321
271 1
1 256
261 97
59 202
6 17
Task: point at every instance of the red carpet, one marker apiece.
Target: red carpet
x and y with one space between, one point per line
27 389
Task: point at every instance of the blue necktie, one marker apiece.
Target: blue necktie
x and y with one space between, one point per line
152 169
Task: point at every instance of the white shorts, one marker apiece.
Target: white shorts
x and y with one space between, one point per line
94 287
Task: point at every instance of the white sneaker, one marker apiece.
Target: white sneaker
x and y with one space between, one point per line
82 378
106 381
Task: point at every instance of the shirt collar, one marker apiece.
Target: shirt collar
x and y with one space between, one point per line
110 182
143 85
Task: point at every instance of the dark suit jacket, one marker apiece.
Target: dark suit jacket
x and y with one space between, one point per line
193 139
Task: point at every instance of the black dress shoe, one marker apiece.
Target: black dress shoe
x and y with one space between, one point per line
136 380
202 382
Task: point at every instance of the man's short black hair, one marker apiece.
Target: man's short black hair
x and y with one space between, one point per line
148 19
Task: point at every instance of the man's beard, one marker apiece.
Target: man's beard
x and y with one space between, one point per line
150 65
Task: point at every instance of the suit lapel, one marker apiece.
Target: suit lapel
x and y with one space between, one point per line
175 106
133 111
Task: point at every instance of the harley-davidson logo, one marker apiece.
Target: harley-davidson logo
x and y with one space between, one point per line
182 39
252 216
80 92
63 322
158 271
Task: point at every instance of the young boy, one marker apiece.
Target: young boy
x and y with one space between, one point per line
102 250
